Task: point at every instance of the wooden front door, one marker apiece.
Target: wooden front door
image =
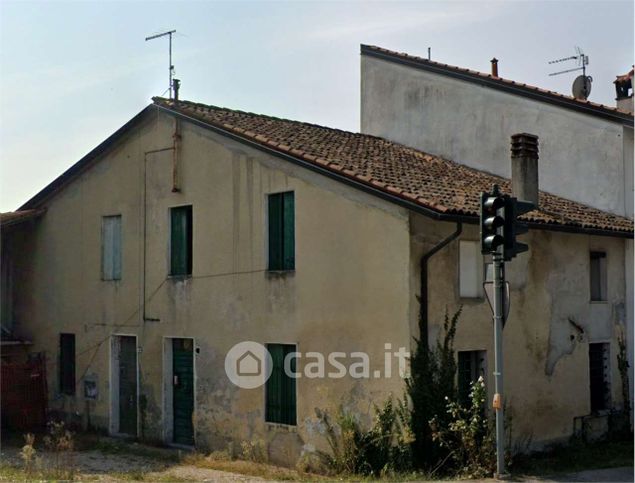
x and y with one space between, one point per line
128 385
183 390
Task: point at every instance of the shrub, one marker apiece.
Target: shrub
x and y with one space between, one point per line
60 442
430 385
384 448
468 435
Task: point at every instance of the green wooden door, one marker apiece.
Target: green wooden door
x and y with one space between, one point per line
183 390
127 385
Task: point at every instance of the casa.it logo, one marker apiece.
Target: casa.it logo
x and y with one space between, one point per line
248 364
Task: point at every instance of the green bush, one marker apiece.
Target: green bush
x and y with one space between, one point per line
430 385
468 435
384 448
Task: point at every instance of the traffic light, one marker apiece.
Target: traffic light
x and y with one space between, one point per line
491 221
512 227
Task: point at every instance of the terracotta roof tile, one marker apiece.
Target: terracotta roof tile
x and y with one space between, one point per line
430 181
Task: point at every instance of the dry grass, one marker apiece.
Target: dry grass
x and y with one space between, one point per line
221 461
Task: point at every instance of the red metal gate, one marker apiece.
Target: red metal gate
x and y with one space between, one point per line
24 394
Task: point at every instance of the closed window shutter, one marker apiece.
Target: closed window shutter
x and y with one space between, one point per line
67 364
274 384
288 223
181 241
275 232
280 388
111 248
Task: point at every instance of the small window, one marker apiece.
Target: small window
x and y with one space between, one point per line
111 247
598 277
67 364
599 376
281 231
181 241
471 366
471 270
280 405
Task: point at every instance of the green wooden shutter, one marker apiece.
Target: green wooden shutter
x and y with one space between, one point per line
181 240
273 388
288 391
67 364
275 232
280 388
288 223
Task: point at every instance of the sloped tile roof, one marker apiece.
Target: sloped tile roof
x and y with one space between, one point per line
511 86
431 182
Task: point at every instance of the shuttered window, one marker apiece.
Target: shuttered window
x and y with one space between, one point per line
111 247
280 405
282 231
181 241
471 366
599 376
67 364
471 270
597 276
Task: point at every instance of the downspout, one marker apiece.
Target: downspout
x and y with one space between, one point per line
145 318
423 298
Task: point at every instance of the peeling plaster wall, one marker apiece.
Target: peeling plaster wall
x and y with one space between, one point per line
545 357
349 291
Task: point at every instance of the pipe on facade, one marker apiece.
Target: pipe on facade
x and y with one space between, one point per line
145 318
423 298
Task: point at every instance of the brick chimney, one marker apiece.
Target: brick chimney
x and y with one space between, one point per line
525 167
494 62
624 91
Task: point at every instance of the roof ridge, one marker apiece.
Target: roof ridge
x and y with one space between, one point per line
503 80
268 116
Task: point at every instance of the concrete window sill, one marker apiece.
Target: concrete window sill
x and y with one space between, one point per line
280 273
279 426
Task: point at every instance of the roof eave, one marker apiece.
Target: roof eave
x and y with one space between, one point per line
515 89
405 203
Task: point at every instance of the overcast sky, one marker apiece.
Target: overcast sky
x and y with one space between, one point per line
73 73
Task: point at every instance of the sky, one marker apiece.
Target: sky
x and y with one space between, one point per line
72 73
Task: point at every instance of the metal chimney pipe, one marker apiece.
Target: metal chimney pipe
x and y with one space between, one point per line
176 84
494 62
525 167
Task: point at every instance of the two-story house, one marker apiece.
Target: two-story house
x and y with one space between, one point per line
194 228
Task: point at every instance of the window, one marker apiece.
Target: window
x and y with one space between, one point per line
599 376
67 364
280 387
281 231
598 276
181 241
111 247
471 366
470 269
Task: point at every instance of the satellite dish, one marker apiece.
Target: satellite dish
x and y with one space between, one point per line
582 87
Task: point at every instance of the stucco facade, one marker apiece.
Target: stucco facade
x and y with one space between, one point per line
353 289
583 157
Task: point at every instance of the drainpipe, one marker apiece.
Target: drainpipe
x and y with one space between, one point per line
423 298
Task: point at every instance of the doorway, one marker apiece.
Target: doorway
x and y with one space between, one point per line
124 390
179 391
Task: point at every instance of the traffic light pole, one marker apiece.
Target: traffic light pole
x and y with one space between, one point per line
499 282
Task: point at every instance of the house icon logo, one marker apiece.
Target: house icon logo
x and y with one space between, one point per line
248 364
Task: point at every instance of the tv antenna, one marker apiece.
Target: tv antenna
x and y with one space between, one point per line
582 84
171 67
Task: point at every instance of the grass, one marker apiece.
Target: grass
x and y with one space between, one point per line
221 462
576 457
